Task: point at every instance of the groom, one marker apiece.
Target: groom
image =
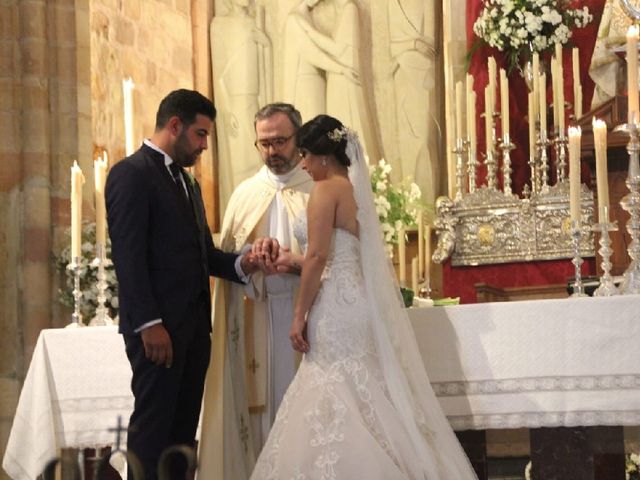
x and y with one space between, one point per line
163 255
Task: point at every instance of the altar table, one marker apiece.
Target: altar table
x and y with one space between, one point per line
540 363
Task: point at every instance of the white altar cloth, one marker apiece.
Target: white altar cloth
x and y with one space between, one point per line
77 385
541 363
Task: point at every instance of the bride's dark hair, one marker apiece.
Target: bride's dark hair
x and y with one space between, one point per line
324 135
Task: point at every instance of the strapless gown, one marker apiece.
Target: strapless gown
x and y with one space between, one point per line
336 420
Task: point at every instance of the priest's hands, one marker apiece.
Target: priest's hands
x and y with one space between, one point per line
157 345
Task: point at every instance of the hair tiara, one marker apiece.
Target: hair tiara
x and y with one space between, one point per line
337 134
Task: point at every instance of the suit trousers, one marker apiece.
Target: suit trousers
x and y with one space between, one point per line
168 400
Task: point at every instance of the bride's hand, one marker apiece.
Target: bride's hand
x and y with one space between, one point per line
298 334
286 263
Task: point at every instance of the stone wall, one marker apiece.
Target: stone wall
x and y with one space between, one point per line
61 68
147 40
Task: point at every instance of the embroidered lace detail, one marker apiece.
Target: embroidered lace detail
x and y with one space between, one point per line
339 380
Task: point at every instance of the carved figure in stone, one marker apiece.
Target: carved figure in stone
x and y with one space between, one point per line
608 69
242 72
445 225
345 96
413 55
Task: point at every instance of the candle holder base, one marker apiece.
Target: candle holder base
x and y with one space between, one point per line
101 261
631 280
607 288
578 287
76 316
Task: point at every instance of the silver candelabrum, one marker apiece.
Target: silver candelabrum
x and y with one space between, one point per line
631 203
607 288
560 148
101 261
576 233
461 148
506 146
76 316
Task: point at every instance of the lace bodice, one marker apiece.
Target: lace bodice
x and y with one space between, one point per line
338 326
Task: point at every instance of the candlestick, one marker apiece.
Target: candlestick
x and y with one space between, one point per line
632 71
459 151
402 257
77 180
575 135
506 146
100 176
576 233
127 93
101 317
607 288
76 316
631 204
427 252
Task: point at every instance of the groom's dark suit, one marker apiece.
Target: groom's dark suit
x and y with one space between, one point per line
163 255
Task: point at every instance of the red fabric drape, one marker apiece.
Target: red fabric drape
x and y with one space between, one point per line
459 281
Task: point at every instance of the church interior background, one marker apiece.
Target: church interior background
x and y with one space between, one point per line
62 64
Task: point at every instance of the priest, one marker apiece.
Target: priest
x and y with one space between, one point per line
252 362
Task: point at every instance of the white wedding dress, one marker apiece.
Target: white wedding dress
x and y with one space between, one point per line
361 405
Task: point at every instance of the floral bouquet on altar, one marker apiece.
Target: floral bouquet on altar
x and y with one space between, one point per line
88 277
396 205
520 27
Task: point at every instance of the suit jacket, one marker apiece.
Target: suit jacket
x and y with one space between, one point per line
161 245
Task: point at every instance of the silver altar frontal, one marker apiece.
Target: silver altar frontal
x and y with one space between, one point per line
489 227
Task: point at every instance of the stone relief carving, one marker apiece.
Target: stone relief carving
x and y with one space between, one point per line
242 78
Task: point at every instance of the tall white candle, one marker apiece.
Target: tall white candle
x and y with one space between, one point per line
493 72
471 125
504 101
542 94
560 70
471 118
77 180
532 126
414 274
402 257
575 136
488 118
420 243
459 110
127 94
632 72
536 71
602 175
554 88
577 87
100 166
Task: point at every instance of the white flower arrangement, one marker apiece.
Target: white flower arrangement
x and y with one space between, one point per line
396 205
632 470
88 277
521 27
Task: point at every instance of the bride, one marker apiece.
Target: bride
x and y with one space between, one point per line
361 405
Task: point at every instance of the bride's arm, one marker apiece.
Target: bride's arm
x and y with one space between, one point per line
320 219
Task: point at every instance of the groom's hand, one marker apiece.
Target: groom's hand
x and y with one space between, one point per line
157 345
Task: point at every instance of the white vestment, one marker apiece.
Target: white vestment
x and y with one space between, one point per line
252 361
